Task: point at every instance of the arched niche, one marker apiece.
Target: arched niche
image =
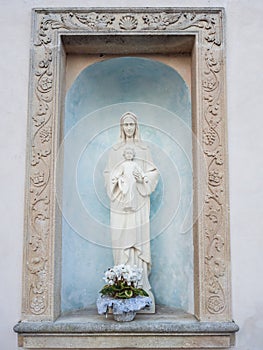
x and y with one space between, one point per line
160 98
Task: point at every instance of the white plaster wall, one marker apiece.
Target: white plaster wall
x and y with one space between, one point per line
245 105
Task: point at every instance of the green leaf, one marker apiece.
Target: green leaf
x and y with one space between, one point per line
128 293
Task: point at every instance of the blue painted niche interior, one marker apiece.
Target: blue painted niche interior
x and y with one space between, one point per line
160 98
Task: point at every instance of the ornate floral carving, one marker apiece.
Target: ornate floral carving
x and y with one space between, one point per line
215 177
38 263
183 21
214 206
49 23
215 304
45 134
215 270
160 21
38 304
92 20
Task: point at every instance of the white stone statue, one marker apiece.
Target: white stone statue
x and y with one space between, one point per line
130 178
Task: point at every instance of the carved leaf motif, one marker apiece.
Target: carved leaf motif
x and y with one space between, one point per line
93 20
38 304
161 21
214 286
45 134
39 155
36 265
214 177
38 179
217 155
219 268
212 63
45 84
218 194
210 83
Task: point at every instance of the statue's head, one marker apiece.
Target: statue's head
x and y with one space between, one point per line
129 127
129 153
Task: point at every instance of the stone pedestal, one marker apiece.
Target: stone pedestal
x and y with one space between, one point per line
167 329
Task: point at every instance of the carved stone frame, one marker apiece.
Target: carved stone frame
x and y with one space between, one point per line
213 326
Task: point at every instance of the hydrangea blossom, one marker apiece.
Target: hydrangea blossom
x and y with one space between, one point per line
125 273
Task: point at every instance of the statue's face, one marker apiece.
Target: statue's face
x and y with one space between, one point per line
128 155
129 126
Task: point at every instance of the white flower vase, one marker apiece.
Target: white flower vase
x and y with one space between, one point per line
125 316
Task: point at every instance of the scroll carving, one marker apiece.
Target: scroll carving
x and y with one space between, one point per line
42 152
214 206
39 239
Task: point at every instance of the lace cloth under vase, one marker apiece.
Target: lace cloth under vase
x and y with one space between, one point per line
120 306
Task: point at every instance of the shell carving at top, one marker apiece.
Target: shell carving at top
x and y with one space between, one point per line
128 22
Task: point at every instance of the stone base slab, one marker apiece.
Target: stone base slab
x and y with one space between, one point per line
166 329
126 340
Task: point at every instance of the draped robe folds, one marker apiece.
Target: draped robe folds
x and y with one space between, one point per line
130 229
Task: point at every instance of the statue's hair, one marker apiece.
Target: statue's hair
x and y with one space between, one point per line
136 136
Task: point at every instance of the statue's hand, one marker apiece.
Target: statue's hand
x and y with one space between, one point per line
138 176
114 180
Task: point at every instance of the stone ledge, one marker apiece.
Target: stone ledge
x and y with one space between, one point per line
168 328
136 327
